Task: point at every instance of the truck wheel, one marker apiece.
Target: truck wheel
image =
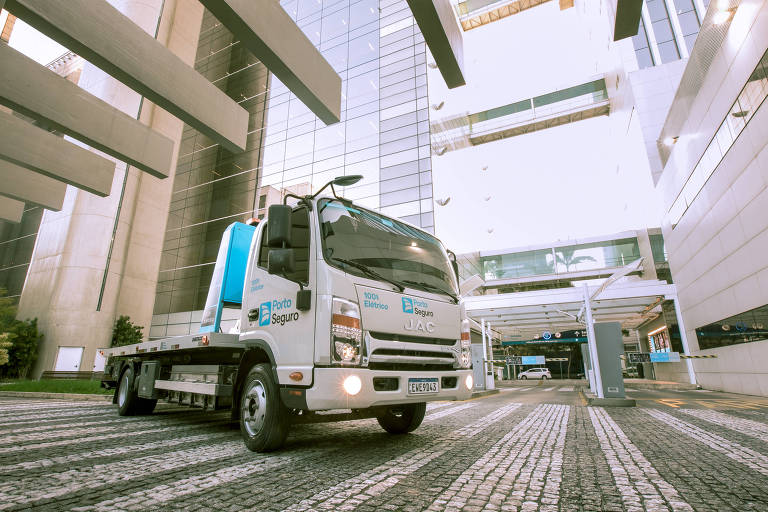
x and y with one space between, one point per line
127 398
401 419
263 417
146 406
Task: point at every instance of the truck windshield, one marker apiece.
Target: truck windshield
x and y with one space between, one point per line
392 249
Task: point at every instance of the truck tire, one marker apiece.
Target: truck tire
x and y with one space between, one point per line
127 397
401 419
263 417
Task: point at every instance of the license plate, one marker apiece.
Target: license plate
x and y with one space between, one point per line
422 386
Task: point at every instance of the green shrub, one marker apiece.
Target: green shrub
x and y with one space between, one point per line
125 332
20 339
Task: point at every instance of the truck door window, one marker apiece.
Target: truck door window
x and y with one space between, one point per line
300 242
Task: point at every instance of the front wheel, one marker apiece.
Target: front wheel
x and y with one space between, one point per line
524 377
401 419
127 398
544 377
263 417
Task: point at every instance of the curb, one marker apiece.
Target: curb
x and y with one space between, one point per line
660 387
60 396
486 392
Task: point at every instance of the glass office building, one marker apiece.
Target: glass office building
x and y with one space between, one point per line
377 49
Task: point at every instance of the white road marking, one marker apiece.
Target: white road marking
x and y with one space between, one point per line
89 439
150 499
731 449
566 388
637 480
52 485
431 406
447 412
549 389
355 490
107 452
534 447
747 427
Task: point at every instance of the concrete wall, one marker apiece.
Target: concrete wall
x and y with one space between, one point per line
72 249
717 250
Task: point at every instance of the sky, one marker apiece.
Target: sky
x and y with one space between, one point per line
32 43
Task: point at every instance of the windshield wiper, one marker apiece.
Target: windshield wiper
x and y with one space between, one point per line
431 287
369 272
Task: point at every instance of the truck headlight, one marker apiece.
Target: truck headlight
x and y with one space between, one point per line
465 360
346 332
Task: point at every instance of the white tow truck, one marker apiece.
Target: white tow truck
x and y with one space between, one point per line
344 314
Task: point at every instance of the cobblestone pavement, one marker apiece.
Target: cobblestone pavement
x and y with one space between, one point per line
536 448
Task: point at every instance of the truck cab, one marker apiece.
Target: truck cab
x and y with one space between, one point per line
346 313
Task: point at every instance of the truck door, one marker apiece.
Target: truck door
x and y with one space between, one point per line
270 303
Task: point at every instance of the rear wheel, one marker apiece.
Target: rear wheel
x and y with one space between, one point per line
128 401
127 398
263 417
401 419
524 377
544 377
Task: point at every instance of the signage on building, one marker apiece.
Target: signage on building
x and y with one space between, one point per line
639 357
665 357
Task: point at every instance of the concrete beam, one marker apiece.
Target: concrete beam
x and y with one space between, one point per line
104 37
272 36
11 209
441 31
28 146
31 187
628 14
41 94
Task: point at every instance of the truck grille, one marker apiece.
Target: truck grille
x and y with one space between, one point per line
412 339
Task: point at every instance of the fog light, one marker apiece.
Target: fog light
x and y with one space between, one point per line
469 382
352 385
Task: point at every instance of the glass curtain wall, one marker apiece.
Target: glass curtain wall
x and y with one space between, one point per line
377 49
17 241
212 187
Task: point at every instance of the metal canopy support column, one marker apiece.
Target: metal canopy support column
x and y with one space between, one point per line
684 339
485 353
489 379
592 343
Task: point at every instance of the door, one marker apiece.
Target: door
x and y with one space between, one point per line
68 359
99 361
270 303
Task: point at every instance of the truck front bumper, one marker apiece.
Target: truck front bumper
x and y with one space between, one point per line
327 391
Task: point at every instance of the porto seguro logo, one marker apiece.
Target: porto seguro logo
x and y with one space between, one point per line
407 305
265 312
416 307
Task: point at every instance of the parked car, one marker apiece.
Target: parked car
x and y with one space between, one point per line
535 373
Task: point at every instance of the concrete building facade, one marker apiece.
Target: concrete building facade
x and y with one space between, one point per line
714 189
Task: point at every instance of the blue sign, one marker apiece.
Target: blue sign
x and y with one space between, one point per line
547 335
533 360
665 357
407 305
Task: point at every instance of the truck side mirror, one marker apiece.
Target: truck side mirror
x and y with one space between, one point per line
454 263
281 261
279 226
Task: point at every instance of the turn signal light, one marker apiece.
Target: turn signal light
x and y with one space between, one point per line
297 376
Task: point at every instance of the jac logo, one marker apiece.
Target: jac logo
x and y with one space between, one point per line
419 325
407 305
265 312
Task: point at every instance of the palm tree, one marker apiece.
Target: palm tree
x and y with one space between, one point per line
565 257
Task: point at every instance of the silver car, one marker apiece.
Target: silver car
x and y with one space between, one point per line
535 373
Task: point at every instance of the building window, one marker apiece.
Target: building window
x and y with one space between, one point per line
662 29
262 201
743 109
742 328
689 21
642 48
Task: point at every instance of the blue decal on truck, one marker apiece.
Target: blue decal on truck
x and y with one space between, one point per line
265 312
407 305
